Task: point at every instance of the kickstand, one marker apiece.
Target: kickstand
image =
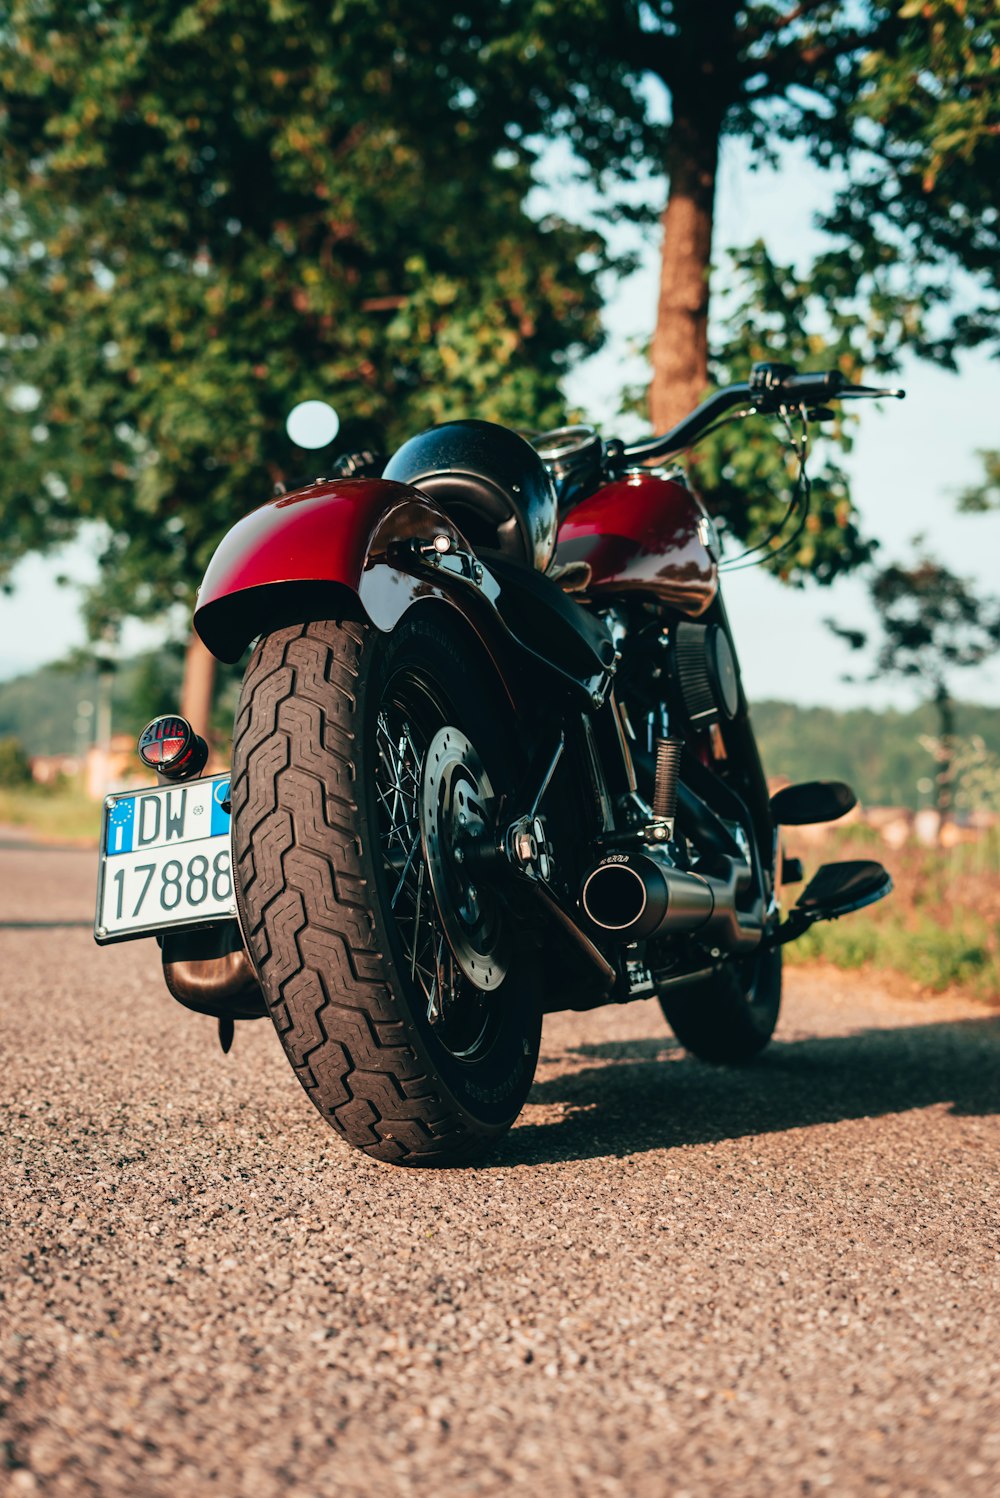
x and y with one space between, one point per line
226 1031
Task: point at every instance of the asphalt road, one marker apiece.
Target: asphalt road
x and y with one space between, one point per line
670 1280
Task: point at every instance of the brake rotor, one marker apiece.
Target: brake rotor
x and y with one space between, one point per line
457 804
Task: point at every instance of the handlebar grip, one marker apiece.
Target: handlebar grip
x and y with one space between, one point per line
772 385
807 388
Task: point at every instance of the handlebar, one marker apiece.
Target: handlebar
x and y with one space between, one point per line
771 387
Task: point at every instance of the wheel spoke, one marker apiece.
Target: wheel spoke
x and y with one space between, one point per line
453 1007
397 789
435 999
398 799
416 917
406 869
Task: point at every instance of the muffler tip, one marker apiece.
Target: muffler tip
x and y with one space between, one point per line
614 896
636 895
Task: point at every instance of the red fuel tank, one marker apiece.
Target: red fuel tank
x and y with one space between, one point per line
643 534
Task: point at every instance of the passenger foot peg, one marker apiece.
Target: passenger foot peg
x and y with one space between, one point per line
834 890
812 801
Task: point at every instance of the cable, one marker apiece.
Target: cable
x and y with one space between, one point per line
801 495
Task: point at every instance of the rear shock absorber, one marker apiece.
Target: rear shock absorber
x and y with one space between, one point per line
668 765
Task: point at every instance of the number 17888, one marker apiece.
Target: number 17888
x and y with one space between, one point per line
194 882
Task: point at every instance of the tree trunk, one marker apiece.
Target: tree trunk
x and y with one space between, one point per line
680 343
198 687
946 753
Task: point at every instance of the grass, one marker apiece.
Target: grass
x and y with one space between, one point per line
61 814
940 928
960 955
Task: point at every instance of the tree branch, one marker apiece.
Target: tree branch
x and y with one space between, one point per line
787 65
754 33
650 52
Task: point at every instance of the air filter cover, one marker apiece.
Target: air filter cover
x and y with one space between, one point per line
705 672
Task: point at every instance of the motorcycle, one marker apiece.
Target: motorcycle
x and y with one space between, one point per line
492 758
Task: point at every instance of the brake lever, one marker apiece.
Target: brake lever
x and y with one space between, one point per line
869 392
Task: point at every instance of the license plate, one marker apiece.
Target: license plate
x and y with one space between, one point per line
165 860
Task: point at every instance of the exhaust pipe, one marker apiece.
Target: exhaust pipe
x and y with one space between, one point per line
631 894
635 896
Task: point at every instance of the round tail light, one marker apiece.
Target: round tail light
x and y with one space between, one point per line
170 746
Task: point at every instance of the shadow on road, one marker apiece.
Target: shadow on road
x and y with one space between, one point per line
645 1095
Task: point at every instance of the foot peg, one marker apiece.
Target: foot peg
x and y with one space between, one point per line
834 890
812 801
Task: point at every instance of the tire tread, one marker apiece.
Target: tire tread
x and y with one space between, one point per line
306 903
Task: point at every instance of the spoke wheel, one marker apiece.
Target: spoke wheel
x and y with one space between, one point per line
408 726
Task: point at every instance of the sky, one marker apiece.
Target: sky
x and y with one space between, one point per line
909 461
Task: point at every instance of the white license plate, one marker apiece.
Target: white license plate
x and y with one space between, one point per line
165 860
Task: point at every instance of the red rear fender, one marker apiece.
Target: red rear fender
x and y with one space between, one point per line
322 548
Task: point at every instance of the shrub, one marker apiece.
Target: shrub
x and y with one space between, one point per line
15 766
962 953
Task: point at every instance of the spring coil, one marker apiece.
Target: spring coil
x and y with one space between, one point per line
668 764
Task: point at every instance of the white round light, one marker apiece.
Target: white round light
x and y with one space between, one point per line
312 424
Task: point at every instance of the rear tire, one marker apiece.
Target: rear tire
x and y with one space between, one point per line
728 1018
332 723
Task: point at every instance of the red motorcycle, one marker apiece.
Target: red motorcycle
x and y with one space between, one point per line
492 758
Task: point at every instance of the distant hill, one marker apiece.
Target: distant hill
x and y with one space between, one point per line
878 753
42 708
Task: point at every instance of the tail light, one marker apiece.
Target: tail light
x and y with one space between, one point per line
170 746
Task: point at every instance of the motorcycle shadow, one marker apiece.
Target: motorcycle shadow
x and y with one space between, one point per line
647 1096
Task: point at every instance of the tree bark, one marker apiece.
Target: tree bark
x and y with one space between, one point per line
198 687
680 343
945 789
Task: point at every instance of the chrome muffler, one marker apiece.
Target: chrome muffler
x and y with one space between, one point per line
639 895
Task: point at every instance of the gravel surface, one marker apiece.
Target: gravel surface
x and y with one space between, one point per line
669 1280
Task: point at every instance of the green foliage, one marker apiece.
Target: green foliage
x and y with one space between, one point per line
900 97
746 471
986 494
881 754
211 211
977 774
215 210
938 928
963 953
901 101
931 623
920 203
15 766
